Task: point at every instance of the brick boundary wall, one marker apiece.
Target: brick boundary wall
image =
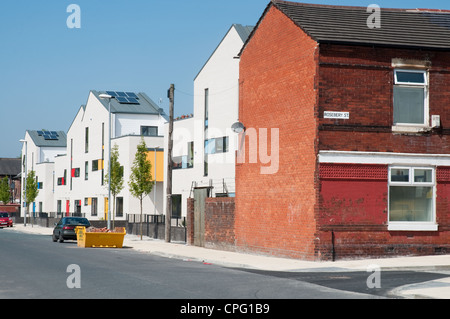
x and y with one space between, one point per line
219 223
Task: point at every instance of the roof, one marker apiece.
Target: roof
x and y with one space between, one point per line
144 104
243 32
40 140
406 28
10 166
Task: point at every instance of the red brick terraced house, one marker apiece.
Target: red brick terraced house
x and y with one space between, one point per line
363 114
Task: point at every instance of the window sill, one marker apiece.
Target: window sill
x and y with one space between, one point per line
412 226
410 129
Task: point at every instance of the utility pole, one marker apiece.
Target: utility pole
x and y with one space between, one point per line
171 96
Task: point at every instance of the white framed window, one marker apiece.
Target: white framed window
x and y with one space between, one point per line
411 98
412 204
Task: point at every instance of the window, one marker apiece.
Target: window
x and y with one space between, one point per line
95 165
149 130
176 206
75 172
86 140
410 97
190 158
411 198
206 109
86 171
182 162
77 203
119 206
217 145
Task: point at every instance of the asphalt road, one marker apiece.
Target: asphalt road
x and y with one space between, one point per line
33 267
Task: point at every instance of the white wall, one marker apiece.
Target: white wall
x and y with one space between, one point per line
95 117
130 124
220 75
41 160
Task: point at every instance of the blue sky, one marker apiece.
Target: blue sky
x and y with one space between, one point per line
47 69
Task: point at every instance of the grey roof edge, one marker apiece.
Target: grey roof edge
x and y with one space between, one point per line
409 10
277 4
73 121
152 107
61 142
151 102
242 31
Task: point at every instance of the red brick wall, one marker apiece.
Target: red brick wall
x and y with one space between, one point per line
275 214
354 208
359 80
12 208
219 223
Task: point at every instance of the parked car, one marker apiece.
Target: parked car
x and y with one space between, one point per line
5 220
65 228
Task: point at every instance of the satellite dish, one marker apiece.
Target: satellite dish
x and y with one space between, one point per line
238 127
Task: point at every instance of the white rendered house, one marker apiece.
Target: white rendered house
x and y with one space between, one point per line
39 150
204 144
79 169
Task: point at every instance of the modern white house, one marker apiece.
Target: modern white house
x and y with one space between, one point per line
77 174
204 144
38 154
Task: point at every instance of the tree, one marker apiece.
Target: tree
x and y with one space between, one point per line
141 180
5 192
116 177
32 190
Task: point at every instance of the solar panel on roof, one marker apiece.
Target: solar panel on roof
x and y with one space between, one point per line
132 100
132 95
112 93
122 99
40 133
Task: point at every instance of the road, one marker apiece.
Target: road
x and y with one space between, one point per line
33 267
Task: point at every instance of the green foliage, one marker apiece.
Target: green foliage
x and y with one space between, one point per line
32 188
5 193
116 172
141 180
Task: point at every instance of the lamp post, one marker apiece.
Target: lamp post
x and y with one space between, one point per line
109 97
24 166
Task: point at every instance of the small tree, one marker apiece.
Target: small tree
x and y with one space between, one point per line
32 189
141 180
5 192
116 177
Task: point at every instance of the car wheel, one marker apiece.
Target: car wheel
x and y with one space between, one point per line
60 239
54 238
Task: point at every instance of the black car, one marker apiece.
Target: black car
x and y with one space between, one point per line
65 228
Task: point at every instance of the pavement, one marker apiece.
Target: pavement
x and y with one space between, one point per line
437 289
